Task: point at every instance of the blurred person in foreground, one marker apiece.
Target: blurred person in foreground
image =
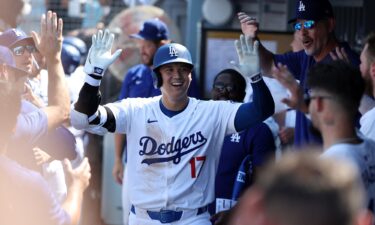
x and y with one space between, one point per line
335 93
25 196
303 188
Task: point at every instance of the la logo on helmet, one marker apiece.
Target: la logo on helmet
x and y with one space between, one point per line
301 6
173 52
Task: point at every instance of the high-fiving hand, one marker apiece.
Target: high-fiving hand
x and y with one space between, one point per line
100 56
248 58
249 25
49 41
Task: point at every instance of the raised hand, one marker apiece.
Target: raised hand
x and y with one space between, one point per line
249 25
339 54
49 41
100 56
248 58
295 101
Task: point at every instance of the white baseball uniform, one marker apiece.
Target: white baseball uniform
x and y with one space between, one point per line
172 161
362 155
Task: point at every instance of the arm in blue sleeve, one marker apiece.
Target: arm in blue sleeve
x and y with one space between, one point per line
259 109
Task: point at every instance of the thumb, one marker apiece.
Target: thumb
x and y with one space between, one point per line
115 55
36 38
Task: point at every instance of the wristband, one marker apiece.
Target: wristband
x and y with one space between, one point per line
255 78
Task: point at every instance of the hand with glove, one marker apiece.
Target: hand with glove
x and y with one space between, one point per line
100 57
248 58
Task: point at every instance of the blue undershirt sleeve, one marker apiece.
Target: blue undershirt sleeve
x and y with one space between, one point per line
259 109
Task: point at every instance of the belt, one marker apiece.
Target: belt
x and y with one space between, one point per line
168 216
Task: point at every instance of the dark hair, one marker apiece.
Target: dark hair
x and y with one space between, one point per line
317 191
341 80
239 80
10 104
370 52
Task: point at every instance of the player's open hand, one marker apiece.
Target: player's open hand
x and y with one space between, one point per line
295 101
49 42
100 55
248 57
249 25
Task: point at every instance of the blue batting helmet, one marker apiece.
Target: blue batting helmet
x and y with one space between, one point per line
76 42
70 58
169 53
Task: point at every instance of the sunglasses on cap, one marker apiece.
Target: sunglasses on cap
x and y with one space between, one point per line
19 50
308 24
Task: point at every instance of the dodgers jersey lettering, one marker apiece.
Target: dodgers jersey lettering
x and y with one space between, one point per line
172 161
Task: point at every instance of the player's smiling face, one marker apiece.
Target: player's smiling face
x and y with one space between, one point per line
176 80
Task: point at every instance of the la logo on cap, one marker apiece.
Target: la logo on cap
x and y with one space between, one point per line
301 6
173 52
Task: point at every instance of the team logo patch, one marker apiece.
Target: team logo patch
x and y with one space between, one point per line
98 70
173 52
301 6
241 177
235 138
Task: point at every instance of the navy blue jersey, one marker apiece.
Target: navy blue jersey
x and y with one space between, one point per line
257 142
299 63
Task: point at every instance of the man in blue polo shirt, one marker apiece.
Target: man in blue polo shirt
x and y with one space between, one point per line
314 24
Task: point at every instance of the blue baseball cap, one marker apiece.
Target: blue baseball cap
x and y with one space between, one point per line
153 30
6 57
312 10
14 36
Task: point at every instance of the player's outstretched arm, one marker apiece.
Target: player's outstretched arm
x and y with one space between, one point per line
87 113
250 28
262 105
49 43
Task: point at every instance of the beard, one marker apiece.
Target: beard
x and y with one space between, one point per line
146 60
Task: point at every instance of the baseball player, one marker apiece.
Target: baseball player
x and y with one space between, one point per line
174 141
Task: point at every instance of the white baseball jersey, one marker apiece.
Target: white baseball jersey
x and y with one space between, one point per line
172 162
368 124
363 157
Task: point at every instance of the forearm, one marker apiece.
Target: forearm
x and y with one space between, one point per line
266 60
256 111
73 203
120 141
58 94
87 111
